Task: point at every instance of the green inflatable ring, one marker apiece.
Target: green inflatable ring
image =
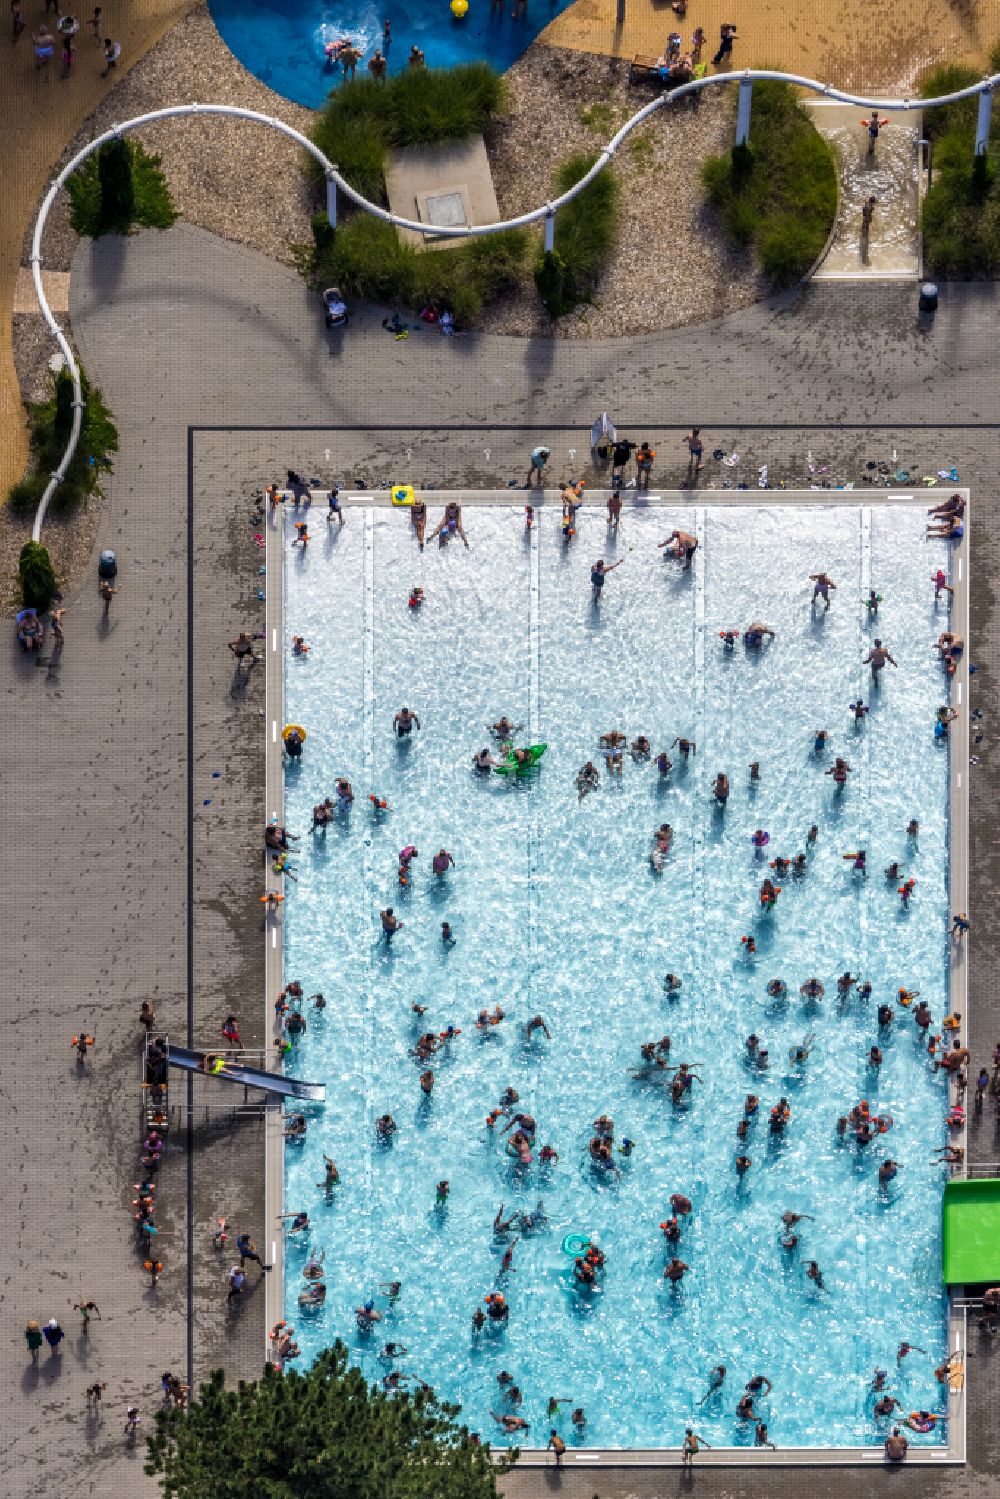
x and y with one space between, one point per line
575 1244
511 767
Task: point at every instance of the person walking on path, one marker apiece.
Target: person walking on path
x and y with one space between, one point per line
727 36
94 1394
539 458
86 1308
33 1338
53 1334
873 125
132 1419
112 52
95 24
237 1281
695 451
45 46
68 28
16 20
107 592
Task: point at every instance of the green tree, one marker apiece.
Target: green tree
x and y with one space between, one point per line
118 188
36 576
114 173
51 422
323 1434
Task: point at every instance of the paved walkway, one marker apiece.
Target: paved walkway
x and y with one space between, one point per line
39 112
98 744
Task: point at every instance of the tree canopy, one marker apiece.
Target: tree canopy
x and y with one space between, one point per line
322 1434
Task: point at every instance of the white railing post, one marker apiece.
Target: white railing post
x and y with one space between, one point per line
550 230
743 111
983 122
331 199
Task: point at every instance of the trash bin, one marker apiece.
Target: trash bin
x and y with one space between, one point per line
108 566
928 297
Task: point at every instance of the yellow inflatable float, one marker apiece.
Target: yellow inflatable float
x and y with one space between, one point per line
459 9
402 494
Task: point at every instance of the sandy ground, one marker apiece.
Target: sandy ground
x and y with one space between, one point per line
853 45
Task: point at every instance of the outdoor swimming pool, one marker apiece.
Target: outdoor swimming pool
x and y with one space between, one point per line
281 41
557 911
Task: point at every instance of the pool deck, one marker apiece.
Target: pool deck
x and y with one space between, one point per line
594 1459
103 751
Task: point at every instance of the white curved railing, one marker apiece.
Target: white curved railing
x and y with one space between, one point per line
333 176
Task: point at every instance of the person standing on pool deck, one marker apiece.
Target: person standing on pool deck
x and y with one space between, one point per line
558 1446
539 458
598 572
727 36
694 444
404 722
692 1443
876 659
895 1446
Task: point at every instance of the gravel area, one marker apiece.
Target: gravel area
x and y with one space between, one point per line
228 176
670 265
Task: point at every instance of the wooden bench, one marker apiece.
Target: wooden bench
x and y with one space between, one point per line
644 68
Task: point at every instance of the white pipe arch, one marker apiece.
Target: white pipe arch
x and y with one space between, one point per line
546 210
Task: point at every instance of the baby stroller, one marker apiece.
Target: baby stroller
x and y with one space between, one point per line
335 308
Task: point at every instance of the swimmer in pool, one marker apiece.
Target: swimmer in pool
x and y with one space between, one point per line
812 989
404 723
612 740
822 589
640 748
483 762
442 862
840 770
536 1023
588 779
686 747
720 788
503 729
450 525
671 983
877 658
754 634
715 1382
664 764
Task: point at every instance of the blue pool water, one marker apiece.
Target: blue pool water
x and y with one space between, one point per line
282 41
557 911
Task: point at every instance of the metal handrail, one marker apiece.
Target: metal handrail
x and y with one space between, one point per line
333 175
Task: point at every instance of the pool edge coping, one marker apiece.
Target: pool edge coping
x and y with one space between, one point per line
952 1453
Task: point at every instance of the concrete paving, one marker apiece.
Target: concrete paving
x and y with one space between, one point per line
99 745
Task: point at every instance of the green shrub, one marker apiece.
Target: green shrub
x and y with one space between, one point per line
960 214
23 498
781 187
366 258
50 423
117 188
36 576
362 119
585 233
948 78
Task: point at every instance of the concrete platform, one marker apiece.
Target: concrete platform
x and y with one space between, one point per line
448 184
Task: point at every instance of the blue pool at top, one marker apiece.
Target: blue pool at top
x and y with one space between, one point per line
557 912
282 41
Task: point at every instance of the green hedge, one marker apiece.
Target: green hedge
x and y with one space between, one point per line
363 119
50 423
120 186
585 235
960 214
366 258
781 193
36 576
